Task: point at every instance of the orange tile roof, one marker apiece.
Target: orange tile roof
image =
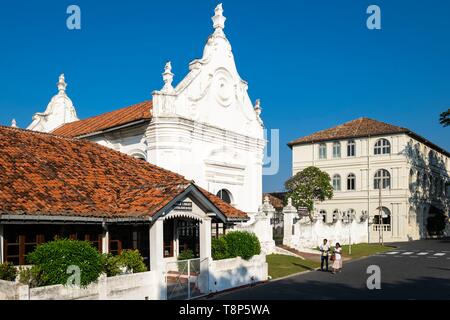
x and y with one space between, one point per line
361 127
140 111
276 199
44 174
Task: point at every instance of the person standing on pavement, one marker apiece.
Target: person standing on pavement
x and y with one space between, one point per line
325 250
337 263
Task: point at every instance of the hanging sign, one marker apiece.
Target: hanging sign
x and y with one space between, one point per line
183 206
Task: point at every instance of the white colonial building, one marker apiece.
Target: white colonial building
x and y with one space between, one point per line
205 128
363 154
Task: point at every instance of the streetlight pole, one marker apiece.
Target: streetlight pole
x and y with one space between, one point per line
349 236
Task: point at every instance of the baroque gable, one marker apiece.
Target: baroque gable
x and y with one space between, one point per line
213 91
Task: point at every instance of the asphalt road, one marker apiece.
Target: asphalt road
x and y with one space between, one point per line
415 270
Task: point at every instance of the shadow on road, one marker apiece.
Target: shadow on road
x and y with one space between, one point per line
291 289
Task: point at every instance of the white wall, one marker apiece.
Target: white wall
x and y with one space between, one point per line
138 286
311 234
235 272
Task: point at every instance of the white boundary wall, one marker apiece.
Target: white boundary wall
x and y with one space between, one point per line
138 286
236 272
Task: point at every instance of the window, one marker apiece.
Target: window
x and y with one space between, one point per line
335 215
412 184
351 182
385 217
225 195
322 151
323 214
351 148
336 149
218 228
431 157
337 182
382 146
168 238
383 178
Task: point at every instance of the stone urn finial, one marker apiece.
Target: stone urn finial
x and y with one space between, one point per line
62 85
168 77
258 107
218 20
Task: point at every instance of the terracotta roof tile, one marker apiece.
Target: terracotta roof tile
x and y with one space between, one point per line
140 111
361 127
53 175
276 199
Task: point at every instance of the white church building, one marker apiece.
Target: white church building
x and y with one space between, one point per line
205 128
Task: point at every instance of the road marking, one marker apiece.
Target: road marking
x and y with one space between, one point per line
413 256
407 253
440 254
423 253
397 256
392 252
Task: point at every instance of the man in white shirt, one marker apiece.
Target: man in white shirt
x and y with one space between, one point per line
325 250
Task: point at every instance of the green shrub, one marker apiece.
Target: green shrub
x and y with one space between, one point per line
53 258
31 276
131 261
7 271
110 264
219 249
186 255
242 244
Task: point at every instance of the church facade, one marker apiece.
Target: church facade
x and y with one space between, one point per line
205 128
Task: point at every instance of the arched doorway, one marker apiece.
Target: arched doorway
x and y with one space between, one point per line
181 236
383 222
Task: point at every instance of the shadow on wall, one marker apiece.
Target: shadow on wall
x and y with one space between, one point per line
428 184
229 279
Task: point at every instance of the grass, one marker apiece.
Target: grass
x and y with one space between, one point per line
283 265
364 250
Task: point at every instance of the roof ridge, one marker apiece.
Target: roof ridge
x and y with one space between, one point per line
112 111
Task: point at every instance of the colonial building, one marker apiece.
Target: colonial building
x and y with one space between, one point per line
204 128
377 168
53 186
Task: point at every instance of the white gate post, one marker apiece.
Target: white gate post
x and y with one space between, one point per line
289 214
157 255
205 254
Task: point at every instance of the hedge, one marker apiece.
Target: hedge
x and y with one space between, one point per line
235 244
54 258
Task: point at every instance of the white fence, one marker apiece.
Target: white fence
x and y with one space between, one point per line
138 286
236 272
219 275
306 234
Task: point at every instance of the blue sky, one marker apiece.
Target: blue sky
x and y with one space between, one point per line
314 64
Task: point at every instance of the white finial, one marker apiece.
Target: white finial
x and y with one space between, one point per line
218 20
258 107
14 123
62 85
168 77
289 201
266 200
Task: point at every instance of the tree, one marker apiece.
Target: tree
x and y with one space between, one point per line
445 118
308 186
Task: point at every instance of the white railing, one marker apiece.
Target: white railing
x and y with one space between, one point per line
384 227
